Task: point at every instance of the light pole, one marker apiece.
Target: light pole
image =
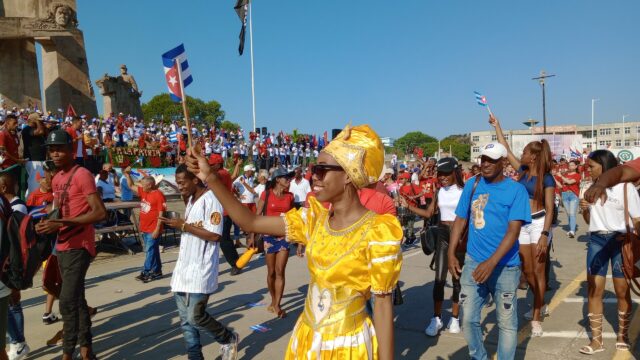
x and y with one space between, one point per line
593 112
623 130
541 78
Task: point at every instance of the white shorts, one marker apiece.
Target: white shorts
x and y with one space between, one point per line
530 233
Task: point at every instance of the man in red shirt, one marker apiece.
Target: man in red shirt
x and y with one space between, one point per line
9 144
226 243
80 207
43 195
74 131
411 192
152 204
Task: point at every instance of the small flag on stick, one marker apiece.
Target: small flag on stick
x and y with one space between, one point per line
482 101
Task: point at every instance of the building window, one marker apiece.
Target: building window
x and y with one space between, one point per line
494 137
476 149
618 143
627 143
475 138
506 136
606 131
627 130
616 131
601 143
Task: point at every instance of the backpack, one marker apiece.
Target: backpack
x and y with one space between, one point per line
25 251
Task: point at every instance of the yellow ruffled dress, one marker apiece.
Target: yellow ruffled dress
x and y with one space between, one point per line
346 267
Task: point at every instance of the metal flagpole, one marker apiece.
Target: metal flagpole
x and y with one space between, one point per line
184 103
253 92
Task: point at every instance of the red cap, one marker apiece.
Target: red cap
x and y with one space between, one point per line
405 175
215 159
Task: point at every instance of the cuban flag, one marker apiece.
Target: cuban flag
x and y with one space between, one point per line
173 137
171 60
481 99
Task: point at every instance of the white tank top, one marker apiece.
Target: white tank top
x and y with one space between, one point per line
448 198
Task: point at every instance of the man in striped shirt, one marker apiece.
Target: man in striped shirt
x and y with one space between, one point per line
195 276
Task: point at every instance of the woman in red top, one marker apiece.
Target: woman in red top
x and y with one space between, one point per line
570 194
277 200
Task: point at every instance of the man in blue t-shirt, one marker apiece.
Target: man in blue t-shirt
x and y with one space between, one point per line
496 207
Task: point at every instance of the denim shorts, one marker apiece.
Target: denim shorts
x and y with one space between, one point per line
602 249
274 245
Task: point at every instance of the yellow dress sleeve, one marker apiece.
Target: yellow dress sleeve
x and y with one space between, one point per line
385 254
301 223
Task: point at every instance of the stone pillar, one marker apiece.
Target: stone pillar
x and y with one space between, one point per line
66 74
19 82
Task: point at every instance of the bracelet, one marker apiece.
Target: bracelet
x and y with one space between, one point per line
545 233
183 225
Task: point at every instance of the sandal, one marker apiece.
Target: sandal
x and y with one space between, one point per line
595 322
623 328
271 309
536 328
282 314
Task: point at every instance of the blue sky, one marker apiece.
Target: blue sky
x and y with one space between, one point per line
399 66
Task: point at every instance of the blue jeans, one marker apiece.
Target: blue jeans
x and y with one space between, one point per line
600 250
15 325
570 203
194 317
152 263
502 285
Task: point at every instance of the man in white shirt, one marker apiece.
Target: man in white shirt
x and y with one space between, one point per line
299 187
195 276
243 187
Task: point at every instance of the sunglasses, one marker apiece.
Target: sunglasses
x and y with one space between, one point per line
320 170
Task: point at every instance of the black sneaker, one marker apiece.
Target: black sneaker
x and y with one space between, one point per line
142 277
152 277
49 318
235 271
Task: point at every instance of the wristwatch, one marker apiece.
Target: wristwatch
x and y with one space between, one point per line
545 233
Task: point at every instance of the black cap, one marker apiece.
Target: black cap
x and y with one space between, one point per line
447 164
58 137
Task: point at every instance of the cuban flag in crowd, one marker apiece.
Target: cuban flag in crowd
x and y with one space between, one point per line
172 60
173 137
481 99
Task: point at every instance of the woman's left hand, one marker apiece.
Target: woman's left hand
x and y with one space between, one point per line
541 249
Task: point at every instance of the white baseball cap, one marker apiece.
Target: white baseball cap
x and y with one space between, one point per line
494 150
249 168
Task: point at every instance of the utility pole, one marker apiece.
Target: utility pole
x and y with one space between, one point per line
541 79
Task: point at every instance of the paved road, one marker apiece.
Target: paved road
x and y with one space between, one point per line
140 321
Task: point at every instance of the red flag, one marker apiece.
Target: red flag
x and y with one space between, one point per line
315 141
71 111
326 138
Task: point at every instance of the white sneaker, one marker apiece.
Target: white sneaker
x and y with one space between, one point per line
544 312
230 351
13 348
434 326
21 351
454 326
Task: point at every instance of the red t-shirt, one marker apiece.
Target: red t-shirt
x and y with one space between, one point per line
10 143
634 164
575 187
377 202
411 190
558 189
38 198
74 203
151 205
277 205
428 185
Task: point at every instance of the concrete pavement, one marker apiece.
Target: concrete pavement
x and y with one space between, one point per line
140 321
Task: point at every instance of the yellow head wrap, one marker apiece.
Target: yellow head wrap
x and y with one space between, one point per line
359 152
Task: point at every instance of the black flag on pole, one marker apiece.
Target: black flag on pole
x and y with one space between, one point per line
241 9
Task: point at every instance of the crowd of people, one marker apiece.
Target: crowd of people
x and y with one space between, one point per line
345 209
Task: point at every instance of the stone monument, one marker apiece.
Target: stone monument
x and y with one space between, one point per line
120 94
52 24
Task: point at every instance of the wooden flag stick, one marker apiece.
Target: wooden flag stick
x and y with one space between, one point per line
184 104
489 110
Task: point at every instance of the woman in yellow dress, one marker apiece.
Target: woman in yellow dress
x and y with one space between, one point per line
352 253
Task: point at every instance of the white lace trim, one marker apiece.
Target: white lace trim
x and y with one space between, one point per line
384 259
375 243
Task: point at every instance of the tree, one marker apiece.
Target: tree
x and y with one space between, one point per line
229 126
411 140
460 146
161 107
